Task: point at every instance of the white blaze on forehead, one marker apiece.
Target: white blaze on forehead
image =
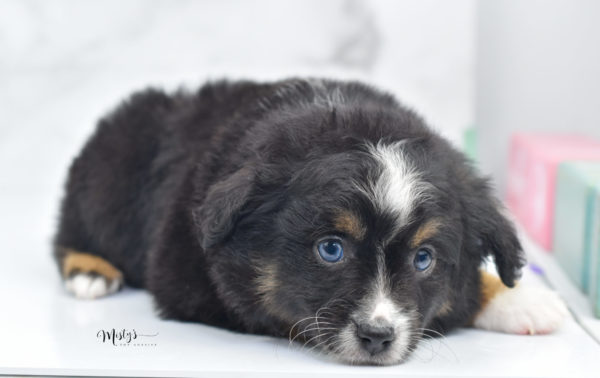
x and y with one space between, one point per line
399 187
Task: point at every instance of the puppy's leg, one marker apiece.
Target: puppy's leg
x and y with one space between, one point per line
88 276
521 310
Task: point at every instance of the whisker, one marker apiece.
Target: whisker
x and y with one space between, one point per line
320 343
311 339
307 329
440 340
297 323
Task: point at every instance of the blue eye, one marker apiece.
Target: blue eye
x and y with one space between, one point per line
330 250
423 259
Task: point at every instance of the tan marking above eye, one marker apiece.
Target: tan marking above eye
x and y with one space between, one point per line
350 224
426 231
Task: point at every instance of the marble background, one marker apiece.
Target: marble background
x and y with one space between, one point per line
64 63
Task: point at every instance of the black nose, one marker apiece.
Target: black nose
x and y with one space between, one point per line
374 338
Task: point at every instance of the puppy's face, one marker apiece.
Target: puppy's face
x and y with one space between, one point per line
356 251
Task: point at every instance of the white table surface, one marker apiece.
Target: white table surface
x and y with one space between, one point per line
45 331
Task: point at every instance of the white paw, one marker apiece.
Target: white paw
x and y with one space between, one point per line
523 310
90 286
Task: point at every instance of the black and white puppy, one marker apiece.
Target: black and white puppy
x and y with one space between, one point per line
313 209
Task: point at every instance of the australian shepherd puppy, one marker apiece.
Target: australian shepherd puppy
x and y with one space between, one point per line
319 210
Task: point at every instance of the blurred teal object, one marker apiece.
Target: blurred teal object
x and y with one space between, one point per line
594 287
576 223
470 143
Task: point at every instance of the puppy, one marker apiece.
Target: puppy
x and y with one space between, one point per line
318 210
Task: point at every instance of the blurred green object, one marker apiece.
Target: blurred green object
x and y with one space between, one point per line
577 224
470 143
594 292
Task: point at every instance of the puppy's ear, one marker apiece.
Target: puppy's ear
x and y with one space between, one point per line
222 207
492 233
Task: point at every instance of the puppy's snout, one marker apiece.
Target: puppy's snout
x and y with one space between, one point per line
375 338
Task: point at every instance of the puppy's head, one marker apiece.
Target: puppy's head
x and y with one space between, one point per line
354 237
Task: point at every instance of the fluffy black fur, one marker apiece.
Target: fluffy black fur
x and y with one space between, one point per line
194 195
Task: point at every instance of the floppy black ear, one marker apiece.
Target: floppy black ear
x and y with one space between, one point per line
222 207
494 234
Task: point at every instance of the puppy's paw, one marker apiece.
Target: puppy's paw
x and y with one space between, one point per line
89 276
523 310
91 285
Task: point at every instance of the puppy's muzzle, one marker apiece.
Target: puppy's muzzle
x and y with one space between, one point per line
375 338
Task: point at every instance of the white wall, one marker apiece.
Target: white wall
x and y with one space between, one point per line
538 69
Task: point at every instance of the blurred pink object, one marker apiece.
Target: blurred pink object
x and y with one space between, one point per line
534 159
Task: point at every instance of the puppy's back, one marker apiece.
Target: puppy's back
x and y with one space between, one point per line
123 182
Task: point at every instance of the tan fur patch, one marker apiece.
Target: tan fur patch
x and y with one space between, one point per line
426 231
267 285
266 281
350 224
445 309
87 263
491 285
